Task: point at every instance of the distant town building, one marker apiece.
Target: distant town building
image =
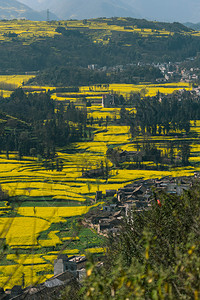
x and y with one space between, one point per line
93 67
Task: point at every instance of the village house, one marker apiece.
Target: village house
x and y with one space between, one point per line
74 265
110 208
110 193
136 205
108 101
106 226
174 188
93 219
68 271
130 155
175 185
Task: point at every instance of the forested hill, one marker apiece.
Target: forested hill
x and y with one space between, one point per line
32 46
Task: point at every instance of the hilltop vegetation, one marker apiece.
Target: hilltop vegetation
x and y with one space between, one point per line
31 46
76 76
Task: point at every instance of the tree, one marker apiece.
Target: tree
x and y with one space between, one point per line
107 170
113 155
33 152
88 186
185 153
143 92
154 256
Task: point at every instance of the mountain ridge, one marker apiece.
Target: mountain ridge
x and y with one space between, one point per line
195 26
160 10
77 9
13 9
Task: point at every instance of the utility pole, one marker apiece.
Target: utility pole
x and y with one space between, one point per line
48 19
23 280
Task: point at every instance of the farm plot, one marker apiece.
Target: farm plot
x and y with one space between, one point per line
144 89
94 94
25 232
51 199
100 30
8 83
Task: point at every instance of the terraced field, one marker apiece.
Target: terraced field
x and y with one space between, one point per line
29 31
100 30
94 92
43 223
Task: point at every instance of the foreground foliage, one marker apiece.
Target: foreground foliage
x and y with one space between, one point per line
155 256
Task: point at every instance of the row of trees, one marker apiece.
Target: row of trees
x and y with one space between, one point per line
163 113
36 127
175 154
77 76
160 115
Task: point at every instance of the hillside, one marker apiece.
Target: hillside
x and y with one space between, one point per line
12 9
33 46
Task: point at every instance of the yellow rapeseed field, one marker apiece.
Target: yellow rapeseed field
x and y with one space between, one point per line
53 214
28 178
13 274
52 240
147 89
16 80
22 231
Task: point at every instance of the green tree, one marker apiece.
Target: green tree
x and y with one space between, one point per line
154 256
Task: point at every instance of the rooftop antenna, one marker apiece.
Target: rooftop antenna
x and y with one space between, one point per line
48 19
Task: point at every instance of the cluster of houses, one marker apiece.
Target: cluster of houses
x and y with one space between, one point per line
171 71
68 271
137 196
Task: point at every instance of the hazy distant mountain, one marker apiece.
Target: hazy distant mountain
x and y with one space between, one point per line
195 26
80 9
169 11
12 9
160 10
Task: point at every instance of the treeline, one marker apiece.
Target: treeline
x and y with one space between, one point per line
34 126
169 115
173 154
163 113
76 47
76 76
142 23
69 76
